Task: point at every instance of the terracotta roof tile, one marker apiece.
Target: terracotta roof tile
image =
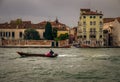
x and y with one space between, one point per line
106 20
89 12
118 18
92 13
28 24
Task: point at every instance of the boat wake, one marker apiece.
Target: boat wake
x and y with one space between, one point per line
66 55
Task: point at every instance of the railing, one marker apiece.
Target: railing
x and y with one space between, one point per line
93 33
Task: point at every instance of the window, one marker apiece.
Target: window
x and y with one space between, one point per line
92 36
20 34
6 34
13 34
100 16
81 36
101 23
97 42
9 34
94 17
84 17
94 23
84 30
90 29
90 16
94 30
100 36
100 29
3 34
87 42
90 22
84 36
84 23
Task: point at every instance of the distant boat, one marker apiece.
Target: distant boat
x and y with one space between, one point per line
23 54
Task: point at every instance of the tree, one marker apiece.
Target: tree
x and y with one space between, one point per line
18 21
31 34
54 33
63 36
48 31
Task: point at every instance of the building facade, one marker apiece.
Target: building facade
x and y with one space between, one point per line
15 29
112 27
61 28
73 35
90 25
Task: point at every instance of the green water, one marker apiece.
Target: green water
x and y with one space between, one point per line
72 65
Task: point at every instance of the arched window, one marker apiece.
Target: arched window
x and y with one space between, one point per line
20 34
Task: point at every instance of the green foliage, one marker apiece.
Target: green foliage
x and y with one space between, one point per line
48 31
63 36
18 21
31 34
57 39
54 33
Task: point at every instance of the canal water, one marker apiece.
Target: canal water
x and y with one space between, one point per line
72 65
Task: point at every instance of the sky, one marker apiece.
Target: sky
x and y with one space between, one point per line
67 11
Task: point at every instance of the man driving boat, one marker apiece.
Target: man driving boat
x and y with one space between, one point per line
50 53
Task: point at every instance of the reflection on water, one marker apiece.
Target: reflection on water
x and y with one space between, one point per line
72 65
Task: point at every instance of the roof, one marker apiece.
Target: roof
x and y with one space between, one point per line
92 13
53 23
28 24
89 12
107 20
118 18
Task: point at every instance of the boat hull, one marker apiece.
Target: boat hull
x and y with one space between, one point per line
22 54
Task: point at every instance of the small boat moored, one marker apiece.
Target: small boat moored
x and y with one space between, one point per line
23 54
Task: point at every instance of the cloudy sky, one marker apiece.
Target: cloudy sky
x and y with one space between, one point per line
67 11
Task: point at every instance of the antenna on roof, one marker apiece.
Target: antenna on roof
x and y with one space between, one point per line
56 19
49 18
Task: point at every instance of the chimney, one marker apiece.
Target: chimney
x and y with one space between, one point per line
96 11
100 12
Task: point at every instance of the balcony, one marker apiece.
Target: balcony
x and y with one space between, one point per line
93 32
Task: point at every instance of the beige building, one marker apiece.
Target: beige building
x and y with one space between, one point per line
112 25
16 32
90 25
15 29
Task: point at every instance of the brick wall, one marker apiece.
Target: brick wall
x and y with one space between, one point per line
43 43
